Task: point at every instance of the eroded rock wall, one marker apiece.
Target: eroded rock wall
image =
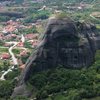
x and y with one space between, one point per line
66 43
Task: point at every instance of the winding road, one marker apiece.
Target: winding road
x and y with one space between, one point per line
23 38
14 59
6 72
15 62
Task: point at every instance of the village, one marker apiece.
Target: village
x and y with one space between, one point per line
16 43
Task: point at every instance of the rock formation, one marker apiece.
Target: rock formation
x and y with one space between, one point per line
66 43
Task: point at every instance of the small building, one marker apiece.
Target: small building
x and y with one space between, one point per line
5 56
23 53
14 35
20 44
22 66
10 36
1 36
31 36
35 43
7 45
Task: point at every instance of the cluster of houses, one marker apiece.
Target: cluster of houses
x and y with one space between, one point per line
10 29
32 39
8 33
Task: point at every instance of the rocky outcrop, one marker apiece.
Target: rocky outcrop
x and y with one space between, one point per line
66 43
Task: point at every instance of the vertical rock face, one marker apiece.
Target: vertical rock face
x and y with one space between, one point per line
65 42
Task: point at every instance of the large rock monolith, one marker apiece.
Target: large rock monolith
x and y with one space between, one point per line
66 43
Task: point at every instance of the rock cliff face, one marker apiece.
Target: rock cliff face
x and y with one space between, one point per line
66 43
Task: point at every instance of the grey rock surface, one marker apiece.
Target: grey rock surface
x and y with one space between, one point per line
22 90
66 43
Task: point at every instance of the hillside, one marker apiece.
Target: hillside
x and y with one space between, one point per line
50 50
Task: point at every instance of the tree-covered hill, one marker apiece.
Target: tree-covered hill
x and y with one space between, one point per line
74 1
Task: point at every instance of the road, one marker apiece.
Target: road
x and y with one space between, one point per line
14 59
23 38
6 72
15 62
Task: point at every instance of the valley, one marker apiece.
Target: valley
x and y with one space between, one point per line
22 26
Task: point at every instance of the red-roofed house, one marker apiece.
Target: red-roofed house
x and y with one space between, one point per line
22 67
1 36
23 53
14 35
20 44
5 56
7 45
31 36
35 43
10 36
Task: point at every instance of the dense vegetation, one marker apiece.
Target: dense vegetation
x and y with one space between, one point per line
34 15
60 83
6 87
67 83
